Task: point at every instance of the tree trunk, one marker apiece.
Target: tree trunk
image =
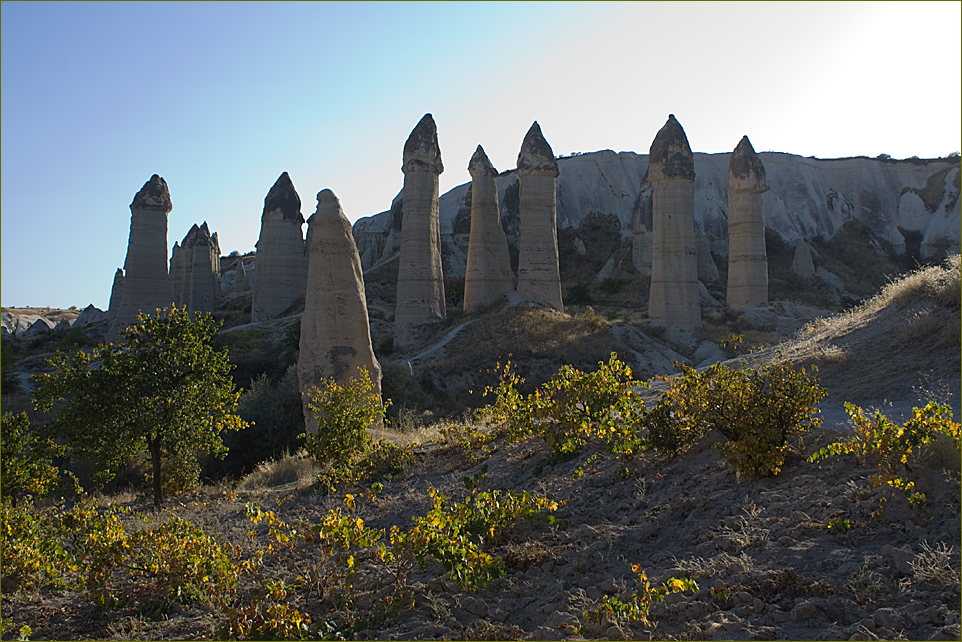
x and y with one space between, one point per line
154 446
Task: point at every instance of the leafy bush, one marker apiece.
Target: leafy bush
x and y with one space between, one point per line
892 445
26 458
578 294
343 413
757 409
623 609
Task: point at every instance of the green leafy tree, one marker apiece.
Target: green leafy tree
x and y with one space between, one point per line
162 389
26 458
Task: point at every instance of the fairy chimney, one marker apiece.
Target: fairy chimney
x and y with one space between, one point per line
747 260
281 257
539 276
335 331
674 301
116 295
145 284
420 307
488 272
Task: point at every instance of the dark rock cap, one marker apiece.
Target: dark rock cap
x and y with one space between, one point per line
745 163
536 155
480 164
421 150
284 197
153 196
670 151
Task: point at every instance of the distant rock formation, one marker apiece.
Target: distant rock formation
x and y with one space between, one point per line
335 332
116 295
747 259
195 270
90 315
241 281
802 263
420 307
39 327
539 277
488 272
281 254
146 287
674 299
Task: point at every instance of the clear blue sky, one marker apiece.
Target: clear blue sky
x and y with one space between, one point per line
220 98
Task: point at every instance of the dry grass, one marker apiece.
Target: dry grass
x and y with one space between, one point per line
288 469
934 565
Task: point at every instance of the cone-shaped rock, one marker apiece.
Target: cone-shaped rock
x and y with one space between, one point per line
281 256
488 272
420 307
674 301
241 281
195 270
335 331
146 287
539 277
802 263
116 295
747 259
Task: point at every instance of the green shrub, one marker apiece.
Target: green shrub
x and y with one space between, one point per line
343 414
578 294
26 458
756 408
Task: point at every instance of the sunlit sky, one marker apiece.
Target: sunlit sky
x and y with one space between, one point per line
220 98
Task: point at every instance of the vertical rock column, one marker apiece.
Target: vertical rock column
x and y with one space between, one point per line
281 258
335 331
145 285
420 307
539 277
116 295
488 272
747 260
673 302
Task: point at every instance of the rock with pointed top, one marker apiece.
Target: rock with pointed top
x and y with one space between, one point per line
241 280
146 287
89 315
116 295
747 258
420 307
335 332
539 276
674 299
802 263
195 270
281 254
488 272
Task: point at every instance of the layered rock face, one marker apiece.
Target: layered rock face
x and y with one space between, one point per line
488 272
539 277
195 270
420 307
335 332
145 283
747 259
281 255
673 302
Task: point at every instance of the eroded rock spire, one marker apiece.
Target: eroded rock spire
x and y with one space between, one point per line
488 272
747 258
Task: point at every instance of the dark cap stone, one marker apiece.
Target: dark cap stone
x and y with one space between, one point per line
480 164
536 155
153 196
745 164
284 197
421 150
670 151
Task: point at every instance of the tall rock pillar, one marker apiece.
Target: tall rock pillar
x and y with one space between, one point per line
488 272
420 307
335 331
145 285
539 277
281 257
674 301
747 260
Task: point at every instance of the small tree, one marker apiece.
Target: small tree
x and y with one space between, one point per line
26 458
163 389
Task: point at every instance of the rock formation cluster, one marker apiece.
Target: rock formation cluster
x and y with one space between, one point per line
195 270
747 259
281 254
335 333
488 272
420 307
145 283
539 276
674 300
